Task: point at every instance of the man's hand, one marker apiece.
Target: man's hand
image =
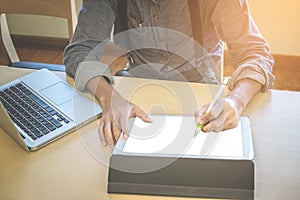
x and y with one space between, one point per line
225 114
116 111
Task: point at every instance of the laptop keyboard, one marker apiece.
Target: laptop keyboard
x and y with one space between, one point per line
33 115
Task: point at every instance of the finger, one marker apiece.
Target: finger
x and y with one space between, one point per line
124 127
213 126
138 112
205 118
216 124
101 133
108 133
116 131
214 113
198 114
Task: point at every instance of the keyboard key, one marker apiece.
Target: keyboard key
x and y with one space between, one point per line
33 137
39 101
41 128
56 123
26 91
53 112
49 109
50 127
46 131
13 88
2 94
38 134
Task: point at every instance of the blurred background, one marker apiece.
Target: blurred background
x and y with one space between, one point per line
278 21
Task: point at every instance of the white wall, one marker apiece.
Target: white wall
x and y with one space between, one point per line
278 20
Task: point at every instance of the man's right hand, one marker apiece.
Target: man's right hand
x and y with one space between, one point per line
116 111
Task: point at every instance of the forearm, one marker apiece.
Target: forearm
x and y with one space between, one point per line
100 88
243 92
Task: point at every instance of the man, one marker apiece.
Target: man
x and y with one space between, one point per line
220 21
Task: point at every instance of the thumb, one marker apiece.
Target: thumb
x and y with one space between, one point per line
138 112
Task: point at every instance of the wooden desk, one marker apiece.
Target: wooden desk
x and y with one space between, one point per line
74 166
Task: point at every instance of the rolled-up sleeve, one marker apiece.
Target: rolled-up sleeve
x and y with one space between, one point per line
82 55
248 49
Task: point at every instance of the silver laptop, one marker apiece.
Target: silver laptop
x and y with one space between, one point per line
40 107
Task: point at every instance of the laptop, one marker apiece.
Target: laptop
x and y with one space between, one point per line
40 107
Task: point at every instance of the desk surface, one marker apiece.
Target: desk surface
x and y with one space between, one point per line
74 167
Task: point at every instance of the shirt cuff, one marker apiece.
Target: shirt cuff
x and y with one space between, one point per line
251 71
89 69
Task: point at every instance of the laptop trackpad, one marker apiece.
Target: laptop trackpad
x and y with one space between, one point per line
59 93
